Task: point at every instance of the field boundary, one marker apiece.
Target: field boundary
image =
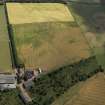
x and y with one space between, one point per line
51 1
36 1
10 38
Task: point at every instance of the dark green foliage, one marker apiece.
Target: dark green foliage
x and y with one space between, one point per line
50 86
10 98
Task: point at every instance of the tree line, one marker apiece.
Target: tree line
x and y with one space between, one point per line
50 86
36 1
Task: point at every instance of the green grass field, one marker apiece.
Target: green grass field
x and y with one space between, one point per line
91 19
48 45
5 58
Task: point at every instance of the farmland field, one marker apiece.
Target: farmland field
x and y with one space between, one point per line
50 44
5 58
91 92
91 19
39 13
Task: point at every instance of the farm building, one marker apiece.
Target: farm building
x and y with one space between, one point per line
7 82
29 74
28 84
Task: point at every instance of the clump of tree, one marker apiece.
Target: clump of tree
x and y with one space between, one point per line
50 86
10 98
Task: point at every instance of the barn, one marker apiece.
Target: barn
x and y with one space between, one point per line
7 82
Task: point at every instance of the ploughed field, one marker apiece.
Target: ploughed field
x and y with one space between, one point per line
47 37
5 58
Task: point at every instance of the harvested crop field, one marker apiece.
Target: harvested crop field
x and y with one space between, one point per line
92 92
5 58
38 12
49 45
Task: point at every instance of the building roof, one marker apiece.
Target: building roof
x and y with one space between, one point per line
7 79
29 74
7 86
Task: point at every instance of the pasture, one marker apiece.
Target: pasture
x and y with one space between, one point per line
38 12
90 92
48 45
91 19
5 58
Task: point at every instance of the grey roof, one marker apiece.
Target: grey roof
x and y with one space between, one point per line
28 84
7 79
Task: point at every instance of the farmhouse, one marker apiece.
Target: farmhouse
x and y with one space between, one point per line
7 82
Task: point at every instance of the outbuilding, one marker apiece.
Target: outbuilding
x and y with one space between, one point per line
7 81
